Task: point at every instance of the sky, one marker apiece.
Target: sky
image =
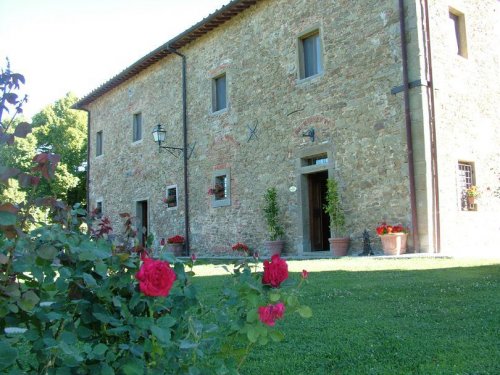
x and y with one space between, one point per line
77 45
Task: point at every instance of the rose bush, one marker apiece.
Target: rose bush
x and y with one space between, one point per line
74 301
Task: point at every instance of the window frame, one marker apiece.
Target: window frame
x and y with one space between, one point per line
318 58
99 206
176 195
137 127
99 143
466 177
460 38
225 200
216 95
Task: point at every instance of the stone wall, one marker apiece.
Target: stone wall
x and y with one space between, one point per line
467 97
356 120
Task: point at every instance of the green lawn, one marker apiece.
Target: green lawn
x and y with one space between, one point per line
389 316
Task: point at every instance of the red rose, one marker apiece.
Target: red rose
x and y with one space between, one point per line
270 313
305 274
155 278
275 272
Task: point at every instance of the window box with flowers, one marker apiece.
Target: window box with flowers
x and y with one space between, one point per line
176 244
393 238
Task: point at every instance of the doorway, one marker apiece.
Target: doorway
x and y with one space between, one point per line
142 221
319 221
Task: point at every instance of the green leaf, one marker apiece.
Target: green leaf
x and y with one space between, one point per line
8 355
305 311
253 316
166 321
292 301
252 334
28 300
276 336
4 259
7 218
135 367
106 369
47 252
274 297
89 280
163 335
99 349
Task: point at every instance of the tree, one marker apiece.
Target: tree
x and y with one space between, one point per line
58 122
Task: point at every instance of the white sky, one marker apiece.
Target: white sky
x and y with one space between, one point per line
77 45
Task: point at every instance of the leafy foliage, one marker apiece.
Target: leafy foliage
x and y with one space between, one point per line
271 214
333 208
70 302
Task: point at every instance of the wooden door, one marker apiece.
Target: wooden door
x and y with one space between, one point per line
319 221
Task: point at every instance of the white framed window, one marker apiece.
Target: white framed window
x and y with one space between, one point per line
98 143
221 188
465 179
310 55
457 32
137 127
219 93
171 198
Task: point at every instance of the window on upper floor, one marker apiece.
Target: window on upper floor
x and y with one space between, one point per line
219 93
137 127
310 58
98 143
458 34
465 181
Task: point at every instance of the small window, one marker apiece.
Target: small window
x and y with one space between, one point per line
98 209
137 127
98 144
171 198
465 179
221 188
459 38
219 94
310 55
321 159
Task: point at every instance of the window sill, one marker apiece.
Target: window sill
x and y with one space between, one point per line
310 79
219 112
221 202
138 142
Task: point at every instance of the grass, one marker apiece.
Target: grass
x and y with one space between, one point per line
388 316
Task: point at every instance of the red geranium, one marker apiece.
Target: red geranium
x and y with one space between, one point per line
175 239
240 246
383 228
155 278
270 313
275 271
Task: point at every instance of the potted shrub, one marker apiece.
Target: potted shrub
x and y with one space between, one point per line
271 214
393 238
339 242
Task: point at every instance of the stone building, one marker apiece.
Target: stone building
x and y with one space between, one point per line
402 111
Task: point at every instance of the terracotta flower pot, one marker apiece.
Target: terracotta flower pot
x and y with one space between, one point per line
339 246
274 247
394 243
471 201
176 248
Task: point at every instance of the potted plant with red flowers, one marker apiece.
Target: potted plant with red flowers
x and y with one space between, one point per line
176 244
339 242
393 238
217 191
